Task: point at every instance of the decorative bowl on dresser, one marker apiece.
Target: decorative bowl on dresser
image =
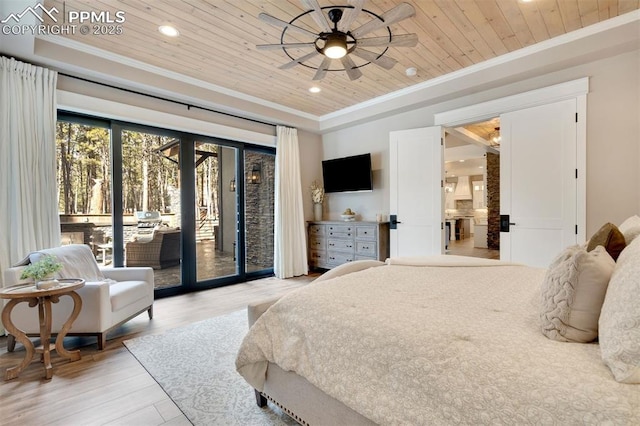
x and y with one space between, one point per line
332 243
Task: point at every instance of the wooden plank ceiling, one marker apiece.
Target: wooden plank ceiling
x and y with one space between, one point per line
218 38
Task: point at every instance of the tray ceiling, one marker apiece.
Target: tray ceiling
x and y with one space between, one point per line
218 38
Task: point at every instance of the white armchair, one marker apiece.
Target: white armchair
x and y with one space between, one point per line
110 297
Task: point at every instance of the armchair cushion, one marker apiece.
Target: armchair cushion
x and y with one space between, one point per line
125 293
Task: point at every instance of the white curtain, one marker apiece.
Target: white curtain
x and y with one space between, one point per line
28 191
290 247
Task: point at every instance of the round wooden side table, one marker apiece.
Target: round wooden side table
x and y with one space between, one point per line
43 299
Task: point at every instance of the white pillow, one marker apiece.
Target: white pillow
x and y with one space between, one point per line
573 292
630 228
620 318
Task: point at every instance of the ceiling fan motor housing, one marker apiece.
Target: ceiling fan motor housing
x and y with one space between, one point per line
335 15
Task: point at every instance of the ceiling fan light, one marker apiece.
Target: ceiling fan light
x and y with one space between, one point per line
336 46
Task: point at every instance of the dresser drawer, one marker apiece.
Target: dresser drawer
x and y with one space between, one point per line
339 245
360 257
317 243
335 258
340 231
366 248
318 257
366 233
317 229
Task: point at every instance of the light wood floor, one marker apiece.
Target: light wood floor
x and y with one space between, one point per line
465 248
110 386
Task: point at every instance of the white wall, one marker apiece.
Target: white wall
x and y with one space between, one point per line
310 168
613 140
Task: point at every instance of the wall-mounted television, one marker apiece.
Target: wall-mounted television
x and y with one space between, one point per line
347 174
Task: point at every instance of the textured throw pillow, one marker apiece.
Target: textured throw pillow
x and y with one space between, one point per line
573 292
620 318
610 237
630 228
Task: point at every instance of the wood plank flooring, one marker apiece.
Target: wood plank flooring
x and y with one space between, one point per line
110 387
465 248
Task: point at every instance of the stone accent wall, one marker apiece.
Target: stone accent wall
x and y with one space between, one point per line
493 201
259 211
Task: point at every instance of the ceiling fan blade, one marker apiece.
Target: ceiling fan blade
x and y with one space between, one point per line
317 15
398 13
286 45
350 67
401 40
280 23
350 15
322 70
299 60
383 61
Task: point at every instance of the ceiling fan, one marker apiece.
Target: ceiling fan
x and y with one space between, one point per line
336 41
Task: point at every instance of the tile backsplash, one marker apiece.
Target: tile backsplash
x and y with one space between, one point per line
463 208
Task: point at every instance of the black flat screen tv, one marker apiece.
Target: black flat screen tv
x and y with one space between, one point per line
348 174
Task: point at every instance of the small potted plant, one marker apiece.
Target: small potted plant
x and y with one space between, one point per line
42 272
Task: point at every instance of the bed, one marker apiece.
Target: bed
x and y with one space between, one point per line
439 340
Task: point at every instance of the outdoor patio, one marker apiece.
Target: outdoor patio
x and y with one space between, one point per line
211 263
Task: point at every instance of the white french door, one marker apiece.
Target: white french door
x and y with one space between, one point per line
538 182
416 192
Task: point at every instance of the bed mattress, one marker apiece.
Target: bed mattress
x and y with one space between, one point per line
424 344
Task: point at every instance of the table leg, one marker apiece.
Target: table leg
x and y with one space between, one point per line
13 372
77 305
44 316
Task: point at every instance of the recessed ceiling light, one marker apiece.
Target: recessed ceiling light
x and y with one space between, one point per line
481 167
411 71
314 89
461 161
168 30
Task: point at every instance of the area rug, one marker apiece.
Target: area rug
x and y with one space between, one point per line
195 365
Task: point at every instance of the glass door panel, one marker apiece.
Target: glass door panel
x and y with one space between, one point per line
151 205
216 224
259 210
84 186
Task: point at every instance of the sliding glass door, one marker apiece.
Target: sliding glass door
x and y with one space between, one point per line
198 210
151 205
216 225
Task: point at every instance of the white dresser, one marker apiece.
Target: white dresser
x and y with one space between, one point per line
332 243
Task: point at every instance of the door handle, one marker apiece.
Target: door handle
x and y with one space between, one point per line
393 221
505 223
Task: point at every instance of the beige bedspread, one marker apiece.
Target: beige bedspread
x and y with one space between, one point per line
437 345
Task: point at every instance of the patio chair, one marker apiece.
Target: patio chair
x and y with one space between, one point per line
159 250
